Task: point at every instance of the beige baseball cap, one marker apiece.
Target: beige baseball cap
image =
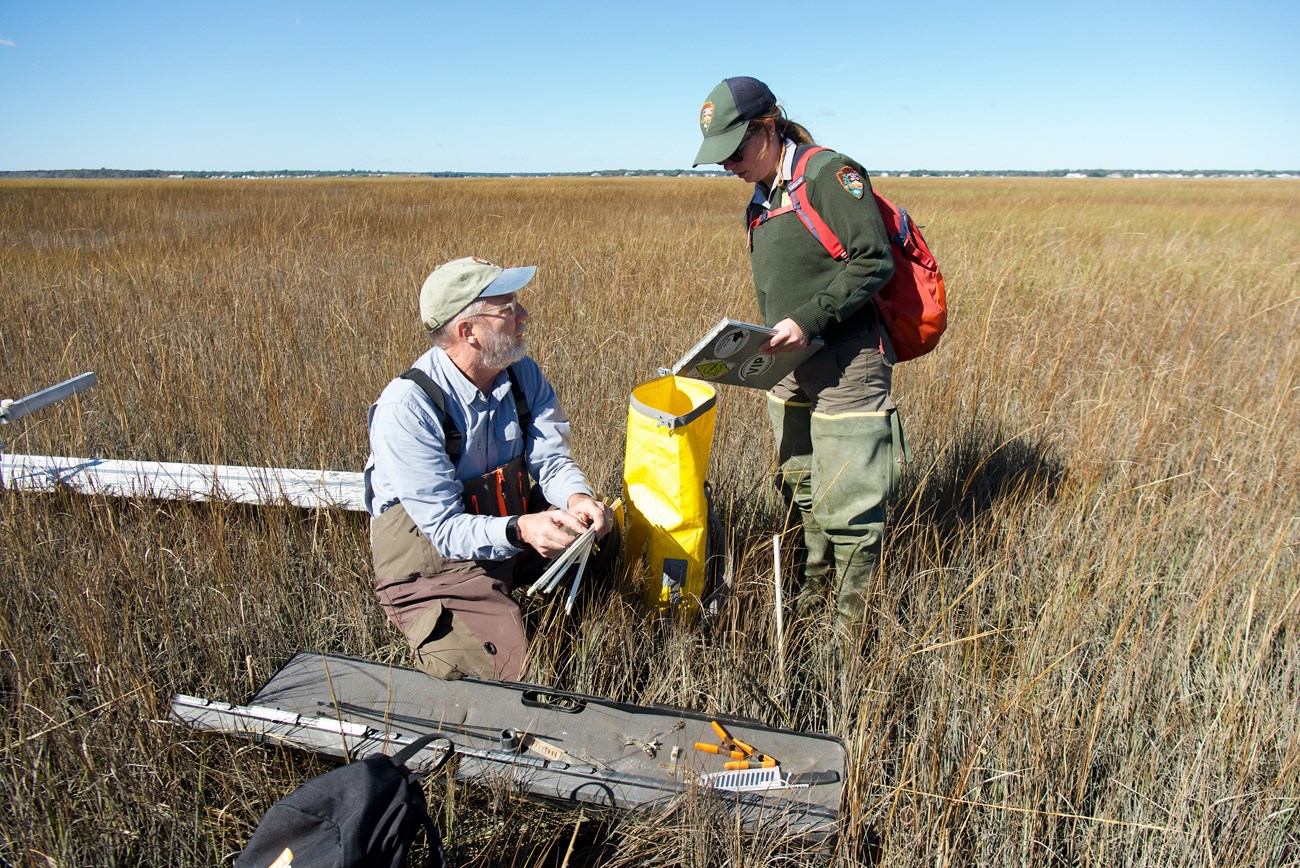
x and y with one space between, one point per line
454 285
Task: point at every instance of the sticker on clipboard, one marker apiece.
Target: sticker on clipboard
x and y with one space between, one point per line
755 366
729 342
731 354
712 369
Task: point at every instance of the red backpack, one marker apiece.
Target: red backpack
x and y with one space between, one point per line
913 303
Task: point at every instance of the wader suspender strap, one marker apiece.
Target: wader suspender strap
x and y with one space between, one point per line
799 204
453 435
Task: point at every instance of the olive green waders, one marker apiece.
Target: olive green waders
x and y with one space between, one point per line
791 423
838 470
855 468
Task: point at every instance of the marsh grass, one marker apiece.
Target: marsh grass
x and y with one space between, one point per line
1085 648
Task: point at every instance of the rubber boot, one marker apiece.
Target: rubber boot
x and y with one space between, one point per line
855 467
791 425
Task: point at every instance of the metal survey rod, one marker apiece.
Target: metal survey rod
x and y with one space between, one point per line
12 411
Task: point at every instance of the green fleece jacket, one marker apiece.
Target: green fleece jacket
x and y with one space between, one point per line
794 276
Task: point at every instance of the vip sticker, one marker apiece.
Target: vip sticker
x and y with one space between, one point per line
754 366
851 181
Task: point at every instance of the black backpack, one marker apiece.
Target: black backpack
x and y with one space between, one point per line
366 813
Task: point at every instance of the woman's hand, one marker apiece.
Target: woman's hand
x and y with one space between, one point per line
787 337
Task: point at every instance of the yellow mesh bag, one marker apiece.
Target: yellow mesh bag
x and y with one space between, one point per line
669 438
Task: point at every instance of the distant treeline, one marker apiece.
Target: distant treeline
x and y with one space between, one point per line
661 173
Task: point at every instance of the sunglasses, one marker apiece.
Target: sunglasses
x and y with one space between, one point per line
739 153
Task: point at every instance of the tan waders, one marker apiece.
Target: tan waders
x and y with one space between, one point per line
457 616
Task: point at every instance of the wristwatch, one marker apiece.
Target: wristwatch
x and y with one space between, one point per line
512 532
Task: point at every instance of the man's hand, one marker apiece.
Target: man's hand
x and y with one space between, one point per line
787 337
550 531
592 513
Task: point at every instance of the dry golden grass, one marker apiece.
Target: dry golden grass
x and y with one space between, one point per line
1086 648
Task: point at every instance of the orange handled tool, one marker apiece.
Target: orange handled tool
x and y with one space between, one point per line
758 761
719 749
743 755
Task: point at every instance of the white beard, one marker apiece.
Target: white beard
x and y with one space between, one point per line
501 350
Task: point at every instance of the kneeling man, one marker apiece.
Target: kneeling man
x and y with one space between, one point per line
457 445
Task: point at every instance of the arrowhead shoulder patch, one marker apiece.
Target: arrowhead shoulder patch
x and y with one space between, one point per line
851 181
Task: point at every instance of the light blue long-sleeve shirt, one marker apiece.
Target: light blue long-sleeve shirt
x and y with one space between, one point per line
409 463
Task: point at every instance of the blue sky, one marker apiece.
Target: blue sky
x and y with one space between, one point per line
507 86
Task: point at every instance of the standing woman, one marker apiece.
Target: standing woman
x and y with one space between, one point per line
833 417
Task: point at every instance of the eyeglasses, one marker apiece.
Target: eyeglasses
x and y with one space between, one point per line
739 153
510 308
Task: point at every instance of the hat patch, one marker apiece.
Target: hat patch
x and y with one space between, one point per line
482 261
851 181
706 116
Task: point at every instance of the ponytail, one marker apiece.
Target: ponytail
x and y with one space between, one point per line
795 132
786 128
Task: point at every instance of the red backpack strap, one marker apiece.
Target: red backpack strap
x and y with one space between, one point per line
802 207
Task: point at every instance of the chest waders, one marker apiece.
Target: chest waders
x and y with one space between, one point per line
458 616
838 436
503 491
855 465
792 427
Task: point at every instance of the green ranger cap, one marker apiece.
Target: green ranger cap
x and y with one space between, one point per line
726 114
